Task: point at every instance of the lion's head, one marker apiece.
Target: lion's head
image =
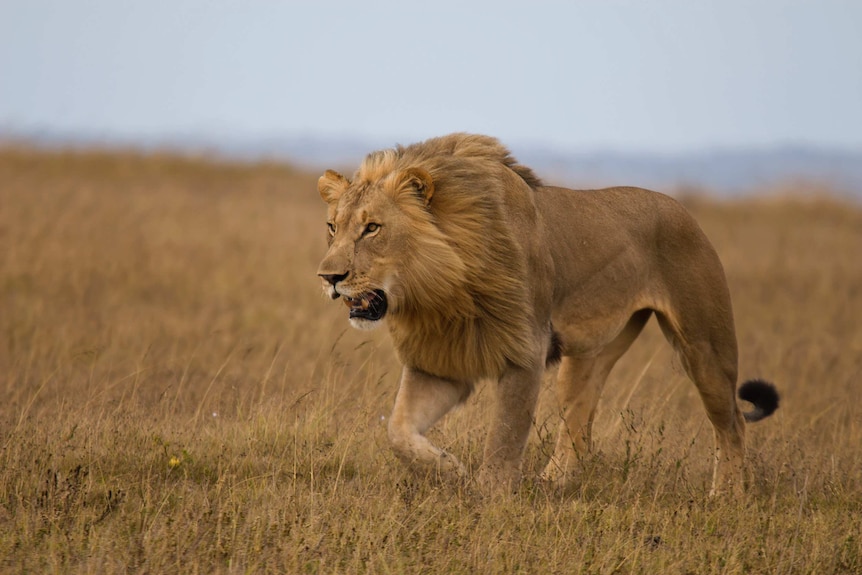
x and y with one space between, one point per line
377 228
419 236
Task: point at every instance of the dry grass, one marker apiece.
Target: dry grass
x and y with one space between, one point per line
177 396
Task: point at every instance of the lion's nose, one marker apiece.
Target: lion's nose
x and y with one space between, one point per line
333 278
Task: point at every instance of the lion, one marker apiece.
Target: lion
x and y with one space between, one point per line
482 272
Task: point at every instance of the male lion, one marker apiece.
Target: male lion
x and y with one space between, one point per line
482 272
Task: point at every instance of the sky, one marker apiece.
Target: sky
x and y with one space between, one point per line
657 76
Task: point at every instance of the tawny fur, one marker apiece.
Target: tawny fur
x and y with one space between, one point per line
478 260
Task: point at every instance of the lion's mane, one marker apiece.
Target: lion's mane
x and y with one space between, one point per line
462 310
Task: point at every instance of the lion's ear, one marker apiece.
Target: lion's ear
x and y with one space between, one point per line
418 182
331 185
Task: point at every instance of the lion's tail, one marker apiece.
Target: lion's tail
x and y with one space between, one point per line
762 395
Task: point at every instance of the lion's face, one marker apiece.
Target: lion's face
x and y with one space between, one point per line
371 232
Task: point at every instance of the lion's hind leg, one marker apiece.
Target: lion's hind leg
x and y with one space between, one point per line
579 386
708 352
421 401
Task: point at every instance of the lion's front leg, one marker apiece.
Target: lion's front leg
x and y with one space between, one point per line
421 401
515 402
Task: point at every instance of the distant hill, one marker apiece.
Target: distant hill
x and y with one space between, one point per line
721 171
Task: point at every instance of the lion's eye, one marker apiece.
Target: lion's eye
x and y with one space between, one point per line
331 227
370 229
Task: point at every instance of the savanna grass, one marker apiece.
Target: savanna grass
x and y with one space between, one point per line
176 395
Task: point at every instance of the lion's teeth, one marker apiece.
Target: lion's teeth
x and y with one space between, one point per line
360 302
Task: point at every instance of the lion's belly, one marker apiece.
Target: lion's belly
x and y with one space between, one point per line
592 308
588 337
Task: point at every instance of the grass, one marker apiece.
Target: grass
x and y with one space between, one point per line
177 396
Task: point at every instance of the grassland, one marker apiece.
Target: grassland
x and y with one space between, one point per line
176 396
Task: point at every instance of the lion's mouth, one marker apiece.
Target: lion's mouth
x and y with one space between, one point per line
371 305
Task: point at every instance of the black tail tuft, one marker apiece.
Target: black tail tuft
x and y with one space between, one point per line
763 395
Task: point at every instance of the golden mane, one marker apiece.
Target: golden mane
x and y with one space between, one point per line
464 286
440 152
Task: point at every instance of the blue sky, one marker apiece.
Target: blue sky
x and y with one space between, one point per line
659 75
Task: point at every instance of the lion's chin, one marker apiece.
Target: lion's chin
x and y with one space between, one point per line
364 324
